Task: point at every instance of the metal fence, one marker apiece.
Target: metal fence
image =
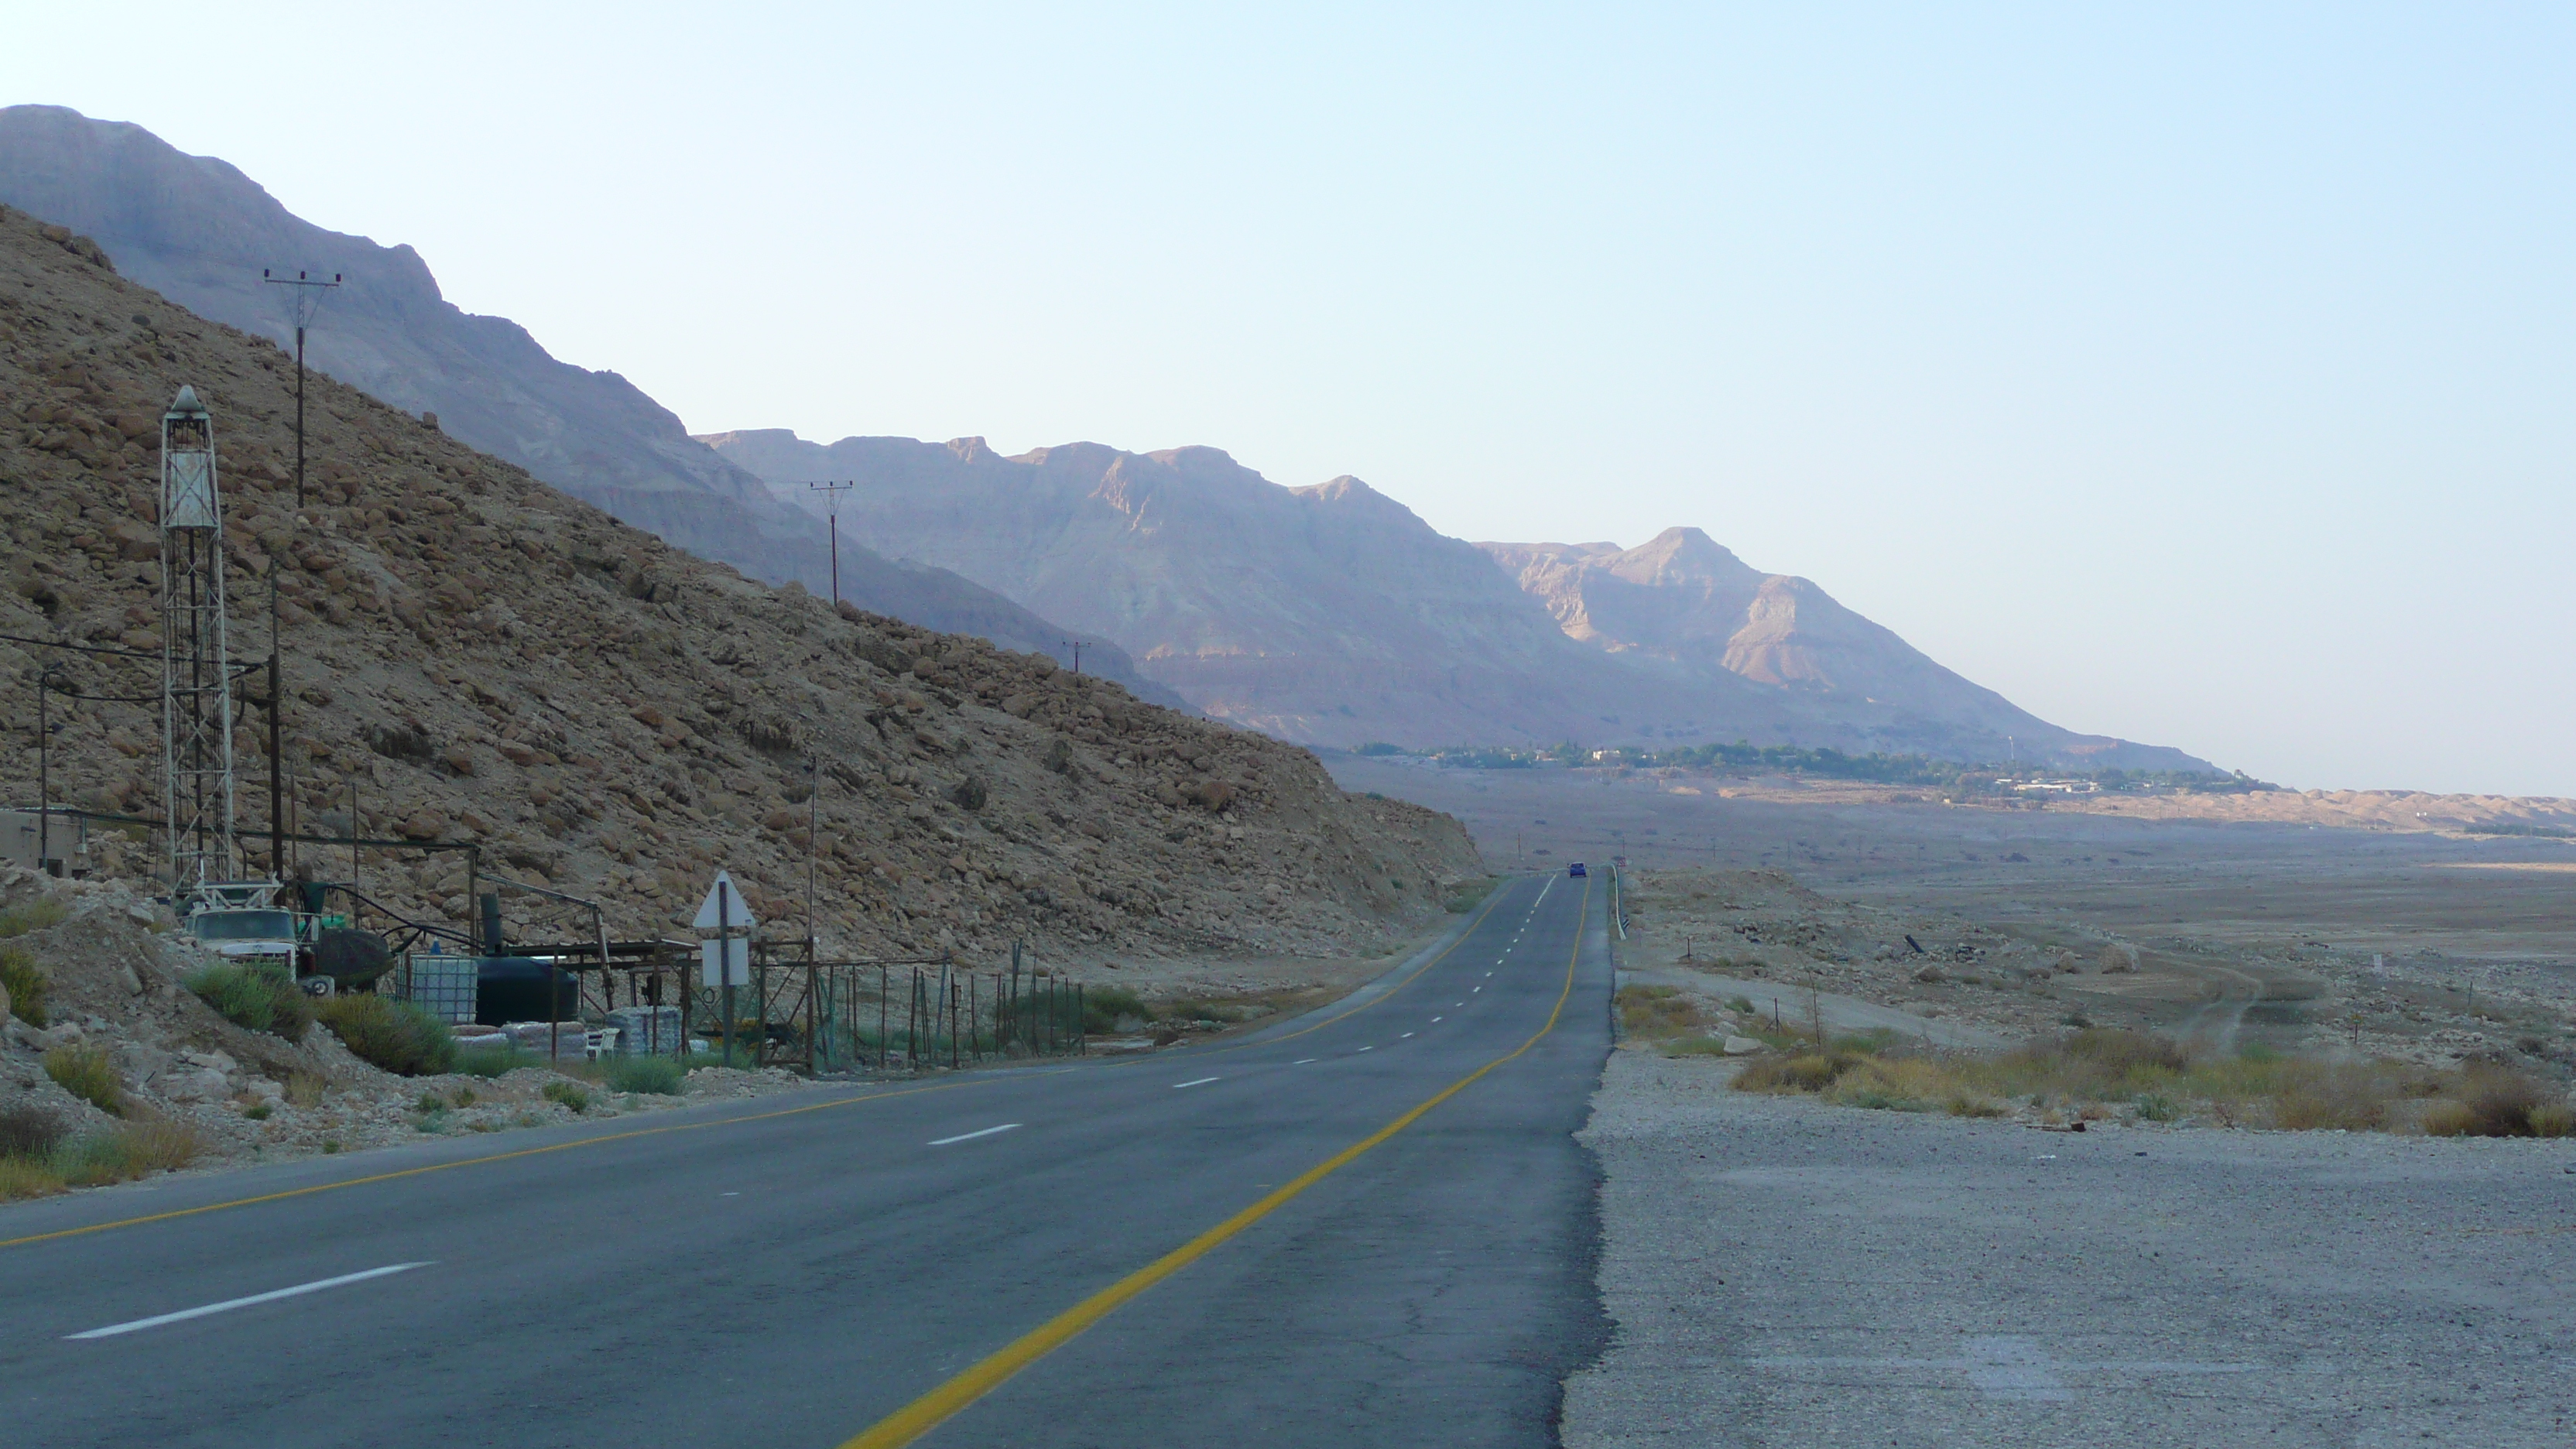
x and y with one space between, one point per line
818 1016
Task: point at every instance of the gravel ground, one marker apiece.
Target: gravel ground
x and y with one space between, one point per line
1788 1273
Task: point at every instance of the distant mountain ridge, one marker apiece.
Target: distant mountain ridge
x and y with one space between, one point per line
1333 616
199 231
1683 605
1264 605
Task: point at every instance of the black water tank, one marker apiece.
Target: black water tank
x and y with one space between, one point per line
513 988
350 957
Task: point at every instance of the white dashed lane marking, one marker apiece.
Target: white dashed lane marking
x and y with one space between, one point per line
184 1314
1201 1082
971 1136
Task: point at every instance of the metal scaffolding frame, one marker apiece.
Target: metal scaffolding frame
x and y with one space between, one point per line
197 780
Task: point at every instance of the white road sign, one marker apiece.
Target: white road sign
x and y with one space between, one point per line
736 952
724 907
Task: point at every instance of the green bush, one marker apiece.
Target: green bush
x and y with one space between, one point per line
492 1061
1103 1005
88 1073
568 1093
657 1076
253 999
25 982
394 1035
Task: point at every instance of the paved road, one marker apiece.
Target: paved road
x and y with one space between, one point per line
1786 1273
792 1273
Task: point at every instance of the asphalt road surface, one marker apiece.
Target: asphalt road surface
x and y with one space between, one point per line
1110 1252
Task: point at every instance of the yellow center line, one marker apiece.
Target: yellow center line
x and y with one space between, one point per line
216 1207
936 1407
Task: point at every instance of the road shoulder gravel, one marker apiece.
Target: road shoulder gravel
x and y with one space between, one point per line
1782 1272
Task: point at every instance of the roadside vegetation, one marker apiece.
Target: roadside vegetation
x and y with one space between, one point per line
25 983
39 1155
254 1000
2100 1074
653 1076
393 1035
87 1072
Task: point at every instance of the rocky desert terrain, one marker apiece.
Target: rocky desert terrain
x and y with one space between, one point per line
2368 924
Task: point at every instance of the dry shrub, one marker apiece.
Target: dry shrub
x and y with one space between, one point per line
30 1131
303 1089
25 982
126 1151
2553 1119
87 1072
27 1177
1810 1072
2499 1101
33 916
2449 1119
2319 1107
1655 1012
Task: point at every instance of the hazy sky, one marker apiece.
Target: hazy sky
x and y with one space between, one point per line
2201 376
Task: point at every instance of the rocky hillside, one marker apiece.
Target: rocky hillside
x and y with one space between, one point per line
200 232
471 654
1682 606
1332 615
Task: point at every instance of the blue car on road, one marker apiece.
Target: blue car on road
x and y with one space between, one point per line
1575 869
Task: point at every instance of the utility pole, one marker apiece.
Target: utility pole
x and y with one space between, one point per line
45 684
813 848
302 303
832 506
1076 645
305 296
276 775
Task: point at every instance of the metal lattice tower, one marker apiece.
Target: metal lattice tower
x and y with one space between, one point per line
196 659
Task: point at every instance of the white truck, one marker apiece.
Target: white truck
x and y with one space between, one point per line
267 938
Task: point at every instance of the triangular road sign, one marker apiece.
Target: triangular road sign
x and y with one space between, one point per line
724 903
